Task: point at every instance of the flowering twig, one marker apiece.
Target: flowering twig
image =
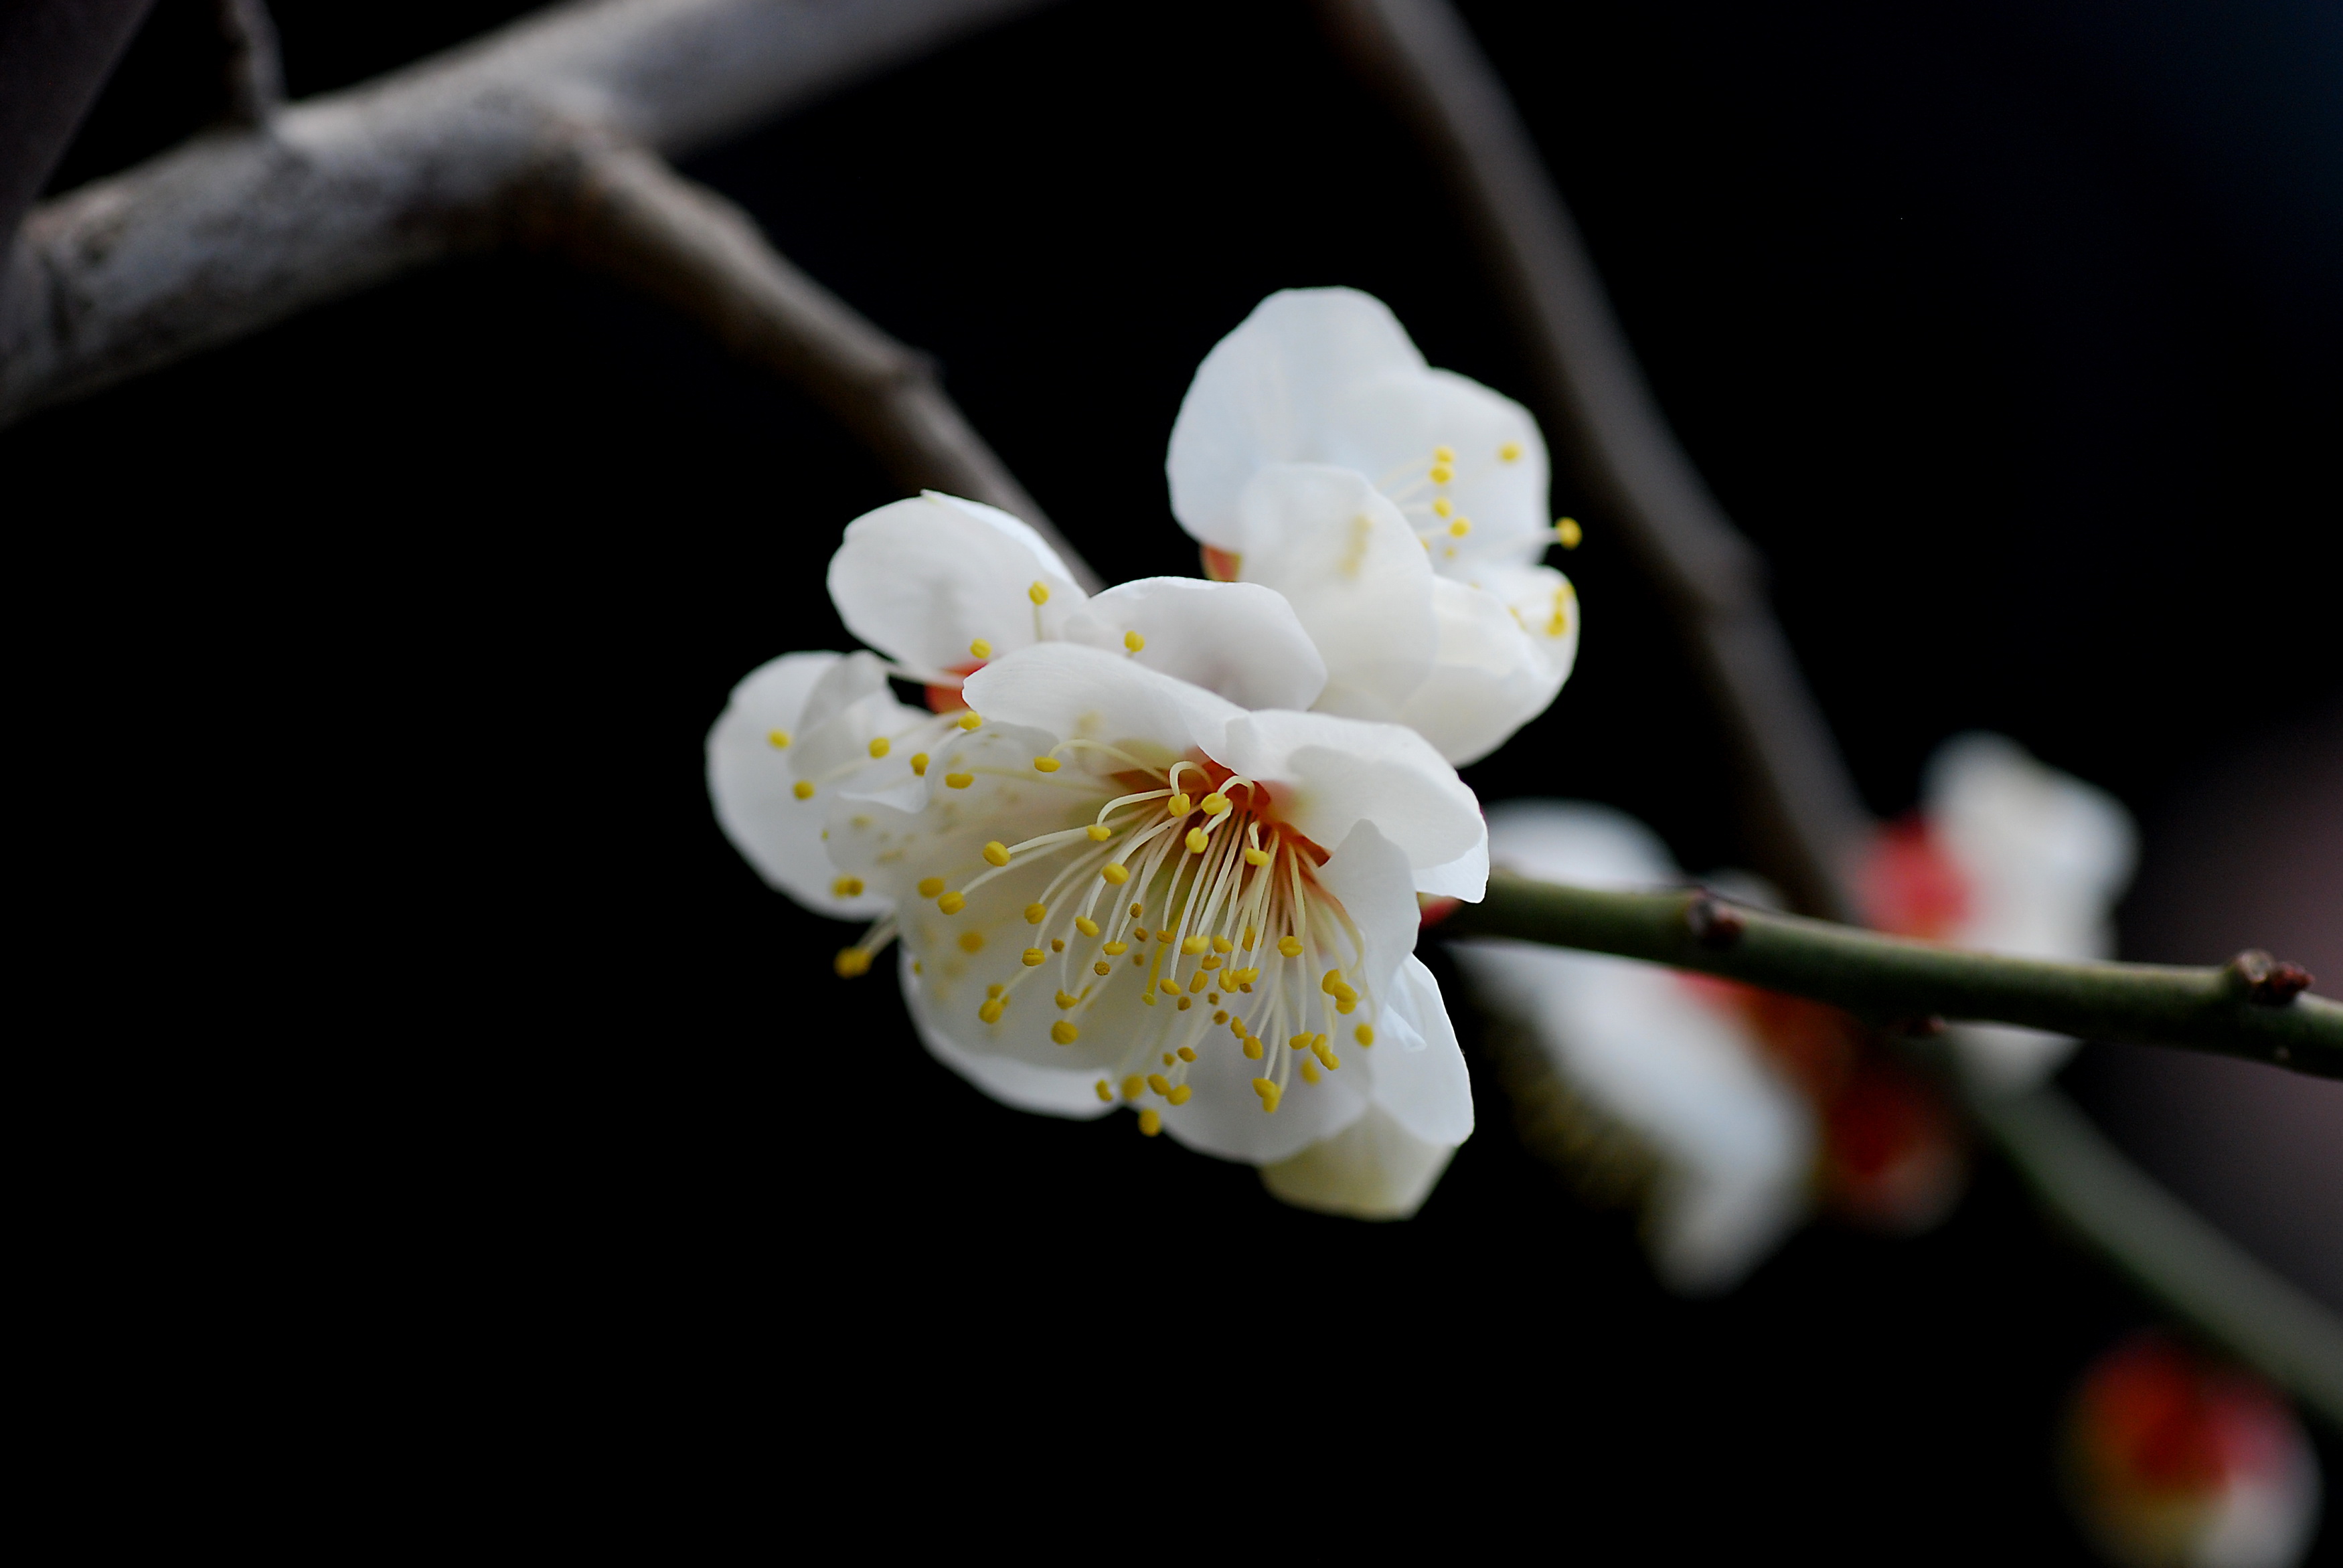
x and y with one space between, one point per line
256 74
620 209
2249 1008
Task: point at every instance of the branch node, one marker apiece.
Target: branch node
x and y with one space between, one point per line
1713 924
2266 981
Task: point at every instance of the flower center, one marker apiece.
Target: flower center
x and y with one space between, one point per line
1188 887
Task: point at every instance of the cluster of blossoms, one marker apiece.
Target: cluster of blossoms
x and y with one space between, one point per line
1730 1110
1160 848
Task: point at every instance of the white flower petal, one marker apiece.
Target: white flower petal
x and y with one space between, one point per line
1045 1090
1489 678
1066 690
751 783
1240 641
1261 397
1368 877
1374 1168
1331 773
922 579
1423 1084
1225 1118
1395 421
1354 574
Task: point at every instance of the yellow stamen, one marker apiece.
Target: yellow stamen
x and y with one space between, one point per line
1194 945
1158 1082
1188 1052
1114 874
990 1011
1196 841
1100 833
1328 981
1364 1034
1443 506
847 886
1290 946
1035 957
1442 474
1269 1093
1105 1091
1039 593
1256 858
968 720
1036 913
1511 452
850 962
980 649
1064 1033
1178 1096
1086 925
778 737
1444 454
1133 641
1101 968
1115 949
803 790
1133 1087
958 780
1567 530
1460 527
1179 805
881 746
920 763
931 885
972 941
1252 1047
1150 1122
1222 945
1214 803
1046 764
1309 1069
996 853
951 903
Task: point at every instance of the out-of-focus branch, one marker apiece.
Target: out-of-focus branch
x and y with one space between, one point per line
1806 817
232 232
256 74
2197 1272
54 56
623 211
2251 1007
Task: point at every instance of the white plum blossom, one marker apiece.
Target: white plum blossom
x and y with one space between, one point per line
2006 856
1402 509
1124 888
1734 1142
1137 871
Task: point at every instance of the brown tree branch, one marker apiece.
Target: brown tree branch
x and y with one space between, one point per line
1806 817
54 56
621 210
255 73
234 231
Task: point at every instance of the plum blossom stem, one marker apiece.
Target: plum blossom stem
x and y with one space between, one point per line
1887 978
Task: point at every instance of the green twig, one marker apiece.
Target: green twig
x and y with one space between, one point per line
2249 1008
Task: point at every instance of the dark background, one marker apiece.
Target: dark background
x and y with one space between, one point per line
2010 333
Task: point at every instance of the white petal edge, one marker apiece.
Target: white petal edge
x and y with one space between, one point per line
1040 1089
1374 1168
1239 640
922 579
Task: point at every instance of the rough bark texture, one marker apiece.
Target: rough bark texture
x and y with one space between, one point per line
241 228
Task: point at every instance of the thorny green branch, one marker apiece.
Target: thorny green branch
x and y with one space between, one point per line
2249 1008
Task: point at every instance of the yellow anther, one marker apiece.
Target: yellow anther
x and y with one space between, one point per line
1237 1027
1256 858
1169 1058
1460 527
1249 935
1137 910
931 885
1101 968
1269 1093
1086 925
1158 1082
1567 530
1133 1087
1194 945
958 780
1035 958
1115 949
968 720
1333 1063
850 962
1346 1004
1442 473
1252 1047
1212 998
1328 981
1222 945
1039 593
1178 1096
1214 803
996 853
881 746
1364 1034
1057 944
778 737
991 1010
972 941
1150 1122
1290 946
920 763
994 989
1116 875
1196 840
1105 1091
1064 1033
1046 764
980 649
1444 454
1179 805
1036 913
1300 1043
1309 1069
1184 1004
1067 1001
918 967
847 886
1188 1052
1443 506
803 790
1211 961
951 903
1200 982
1133 641
1100 833
1511 452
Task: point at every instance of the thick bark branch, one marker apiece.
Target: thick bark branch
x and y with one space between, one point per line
255 72
1806 816
2228 1012
234 231
624 211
